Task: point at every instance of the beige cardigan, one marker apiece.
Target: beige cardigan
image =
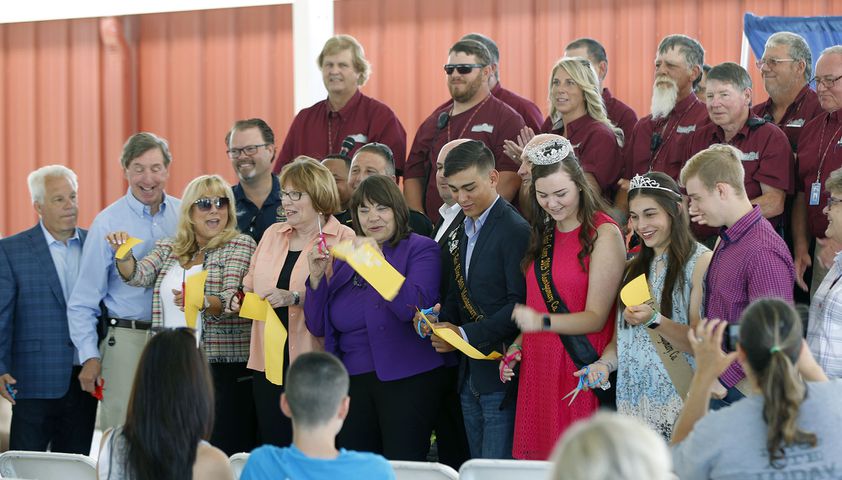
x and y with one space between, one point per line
262 277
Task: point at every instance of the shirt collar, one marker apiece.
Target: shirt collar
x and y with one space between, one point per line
240 194
451 211
743 225
685 104
51 239
481 220
349 107
142 209
834 116
837 260
719 133
606 94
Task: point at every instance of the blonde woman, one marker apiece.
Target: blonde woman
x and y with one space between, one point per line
206 239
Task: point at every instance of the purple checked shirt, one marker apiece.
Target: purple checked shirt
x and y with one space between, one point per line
750 262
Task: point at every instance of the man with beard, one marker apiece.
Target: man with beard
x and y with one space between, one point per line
474 114
319 130
251 148
658 141
786 67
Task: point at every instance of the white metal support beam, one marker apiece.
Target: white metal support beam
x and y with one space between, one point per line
312 25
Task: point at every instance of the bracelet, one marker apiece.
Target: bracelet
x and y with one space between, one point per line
652 319
515 345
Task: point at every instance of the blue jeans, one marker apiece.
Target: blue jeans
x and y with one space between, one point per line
490 430
732 396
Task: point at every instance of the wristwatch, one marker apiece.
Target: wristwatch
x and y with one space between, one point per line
655 322
296 298
546 322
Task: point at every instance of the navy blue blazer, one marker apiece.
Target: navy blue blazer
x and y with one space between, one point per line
495 284
35 345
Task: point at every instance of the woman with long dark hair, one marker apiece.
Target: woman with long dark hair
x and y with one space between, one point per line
573 268
169 418
789 426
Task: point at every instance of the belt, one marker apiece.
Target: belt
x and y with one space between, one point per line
133 324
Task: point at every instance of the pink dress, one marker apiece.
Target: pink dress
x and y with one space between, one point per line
546 372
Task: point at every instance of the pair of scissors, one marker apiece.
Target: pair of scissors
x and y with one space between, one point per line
424 312
12 391
583 382
506 361
322 241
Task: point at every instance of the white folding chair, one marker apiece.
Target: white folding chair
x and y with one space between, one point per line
238 463
47 465
422 471
485 469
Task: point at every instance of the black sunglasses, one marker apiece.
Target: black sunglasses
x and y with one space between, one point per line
462 68
204 204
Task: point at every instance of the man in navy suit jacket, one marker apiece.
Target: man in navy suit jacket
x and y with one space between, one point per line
488 247
38 364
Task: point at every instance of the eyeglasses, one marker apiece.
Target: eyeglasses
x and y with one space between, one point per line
293 195
248 150
831 201
826 82
462 68
773 62
205 204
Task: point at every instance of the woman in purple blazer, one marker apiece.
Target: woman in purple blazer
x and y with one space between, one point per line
397 379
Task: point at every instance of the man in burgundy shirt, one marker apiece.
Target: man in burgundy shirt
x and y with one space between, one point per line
786 67
474 114
750 261
319 130
659 140
819 153
767 159
618 112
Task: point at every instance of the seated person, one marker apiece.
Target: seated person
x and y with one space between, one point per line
169 419
316 398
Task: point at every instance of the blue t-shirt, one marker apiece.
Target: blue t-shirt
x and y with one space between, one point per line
270 462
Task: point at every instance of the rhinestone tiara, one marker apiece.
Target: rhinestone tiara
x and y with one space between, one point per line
549 152
639 181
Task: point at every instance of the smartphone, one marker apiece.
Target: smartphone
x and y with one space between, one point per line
732 337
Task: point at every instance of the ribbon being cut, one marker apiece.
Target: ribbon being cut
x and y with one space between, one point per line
457 341
274 335
372 266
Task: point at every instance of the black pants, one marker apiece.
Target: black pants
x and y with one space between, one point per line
235 426
63 424
274 427
394 418
451 440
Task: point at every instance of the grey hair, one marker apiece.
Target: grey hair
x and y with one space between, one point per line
798 49
692 50
37 180
609 446
730 72
316 384
833 50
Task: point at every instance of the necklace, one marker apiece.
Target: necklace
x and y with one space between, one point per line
462 133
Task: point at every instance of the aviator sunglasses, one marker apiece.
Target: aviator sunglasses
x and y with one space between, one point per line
204 204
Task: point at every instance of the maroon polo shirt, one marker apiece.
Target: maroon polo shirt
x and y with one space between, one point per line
820 135
675 130
804 108
619 113
491 122
367 119
595 145
530 112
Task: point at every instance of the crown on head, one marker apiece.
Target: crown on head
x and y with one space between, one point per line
639 181
549 152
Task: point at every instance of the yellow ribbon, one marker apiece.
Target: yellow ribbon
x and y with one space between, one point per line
274 335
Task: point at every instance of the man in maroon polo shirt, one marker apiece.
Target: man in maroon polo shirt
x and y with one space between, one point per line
786 67
659 140
474 114
618 112
767 159
319 130
819 153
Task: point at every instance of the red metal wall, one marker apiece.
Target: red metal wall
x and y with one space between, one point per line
72 91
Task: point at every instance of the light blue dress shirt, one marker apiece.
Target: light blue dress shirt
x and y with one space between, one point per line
472 229
99 279
65 258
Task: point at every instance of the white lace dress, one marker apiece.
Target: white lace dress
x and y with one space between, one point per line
644 388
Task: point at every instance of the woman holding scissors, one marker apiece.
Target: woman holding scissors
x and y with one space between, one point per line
573 269
397 380
277 273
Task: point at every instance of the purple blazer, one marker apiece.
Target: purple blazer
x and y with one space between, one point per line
369 333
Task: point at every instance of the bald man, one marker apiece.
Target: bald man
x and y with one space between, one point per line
450 213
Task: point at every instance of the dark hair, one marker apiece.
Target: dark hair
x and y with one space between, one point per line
771 337
142 142
473 47
594 48
380 149
681 246
171 407
382 190
265 130
338 156
472 153
590 203
316 384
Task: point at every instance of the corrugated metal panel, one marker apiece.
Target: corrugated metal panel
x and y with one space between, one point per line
71 94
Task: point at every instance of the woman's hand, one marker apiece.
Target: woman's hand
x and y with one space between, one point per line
279 298
638 314
507 369
515 150
115 239
360 241
527 319
318 262
706 340
424 328
597 374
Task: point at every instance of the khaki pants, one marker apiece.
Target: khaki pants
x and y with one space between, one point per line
120 352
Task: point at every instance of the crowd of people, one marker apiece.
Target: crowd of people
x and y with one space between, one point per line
514 233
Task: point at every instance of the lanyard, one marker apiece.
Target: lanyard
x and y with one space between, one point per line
462 133
826 149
